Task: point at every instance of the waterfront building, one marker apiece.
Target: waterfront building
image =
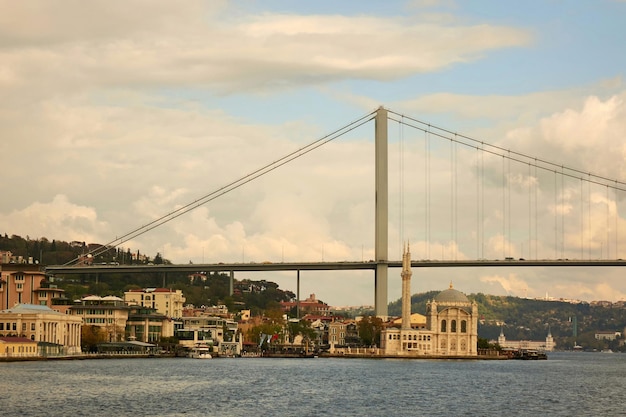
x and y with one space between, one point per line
166 301
25 284
547 345
336 334
109 313
219 332
450 328
146 325
54 331
11 347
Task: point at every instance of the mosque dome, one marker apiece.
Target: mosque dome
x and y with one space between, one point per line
451 296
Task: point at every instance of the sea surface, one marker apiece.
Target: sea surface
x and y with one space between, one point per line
567 384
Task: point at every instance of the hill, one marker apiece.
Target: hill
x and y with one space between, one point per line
199 289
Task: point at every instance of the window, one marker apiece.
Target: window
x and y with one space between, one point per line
453 326
463 326
443 326
32 327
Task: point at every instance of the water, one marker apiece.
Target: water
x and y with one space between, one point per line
564 385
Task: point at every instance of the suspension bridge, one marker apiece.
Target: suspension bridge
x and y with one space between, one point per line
513 209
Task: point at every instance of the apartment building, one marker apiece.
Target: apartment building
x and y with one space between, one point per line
110 313
164 300
25 284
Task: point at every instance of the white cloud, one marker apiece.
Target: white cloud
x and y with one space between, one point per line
51 49
54 219
511 284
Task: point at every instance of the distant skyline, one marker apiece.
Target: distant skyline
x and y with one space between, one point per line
113 114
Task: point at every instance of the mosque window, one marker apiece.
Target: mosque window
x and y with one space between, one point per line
443 326
463 326
453 326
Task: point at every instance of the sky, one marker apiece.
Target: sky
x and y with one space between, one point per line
113 114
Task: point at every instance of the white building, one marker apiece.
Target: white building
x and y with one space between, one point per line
218 332
547 345
451 328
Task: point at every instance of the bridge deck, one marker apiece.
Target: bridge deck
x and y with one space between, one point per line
323 266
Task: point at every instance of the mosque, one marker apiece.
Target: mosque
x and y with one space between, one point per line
449 329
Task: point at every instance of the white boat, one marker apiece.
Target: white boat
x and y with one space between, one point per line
200 352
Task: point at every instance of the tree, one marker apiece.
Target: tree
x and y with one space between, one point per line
301 328
484 344
91 336
370 328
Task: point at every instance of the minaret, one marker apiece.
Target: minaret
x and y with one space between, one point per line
406 288
501 338
549 341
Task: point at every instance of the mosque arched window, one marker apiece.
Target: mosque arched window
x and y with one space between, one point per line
443 326
453 326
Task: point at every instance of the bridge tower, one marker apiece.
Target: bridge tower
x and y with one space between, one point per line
381 237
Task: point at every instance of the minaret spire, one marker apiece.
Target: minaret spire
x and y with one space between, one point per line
406 287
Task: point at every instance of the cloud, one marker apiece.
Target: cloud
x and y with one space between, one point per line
112 115
53 219
85 46
511 284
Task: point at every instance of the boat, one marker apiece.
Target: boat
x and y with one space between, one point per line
200 351
529 354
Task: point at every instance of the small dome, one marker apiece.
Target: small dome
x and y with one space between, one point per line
451 296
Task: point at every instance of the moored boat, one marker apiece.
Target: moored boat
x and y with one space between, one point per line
200 352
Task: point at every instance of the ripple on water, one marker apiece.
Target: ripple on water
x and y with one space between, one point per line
566 384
